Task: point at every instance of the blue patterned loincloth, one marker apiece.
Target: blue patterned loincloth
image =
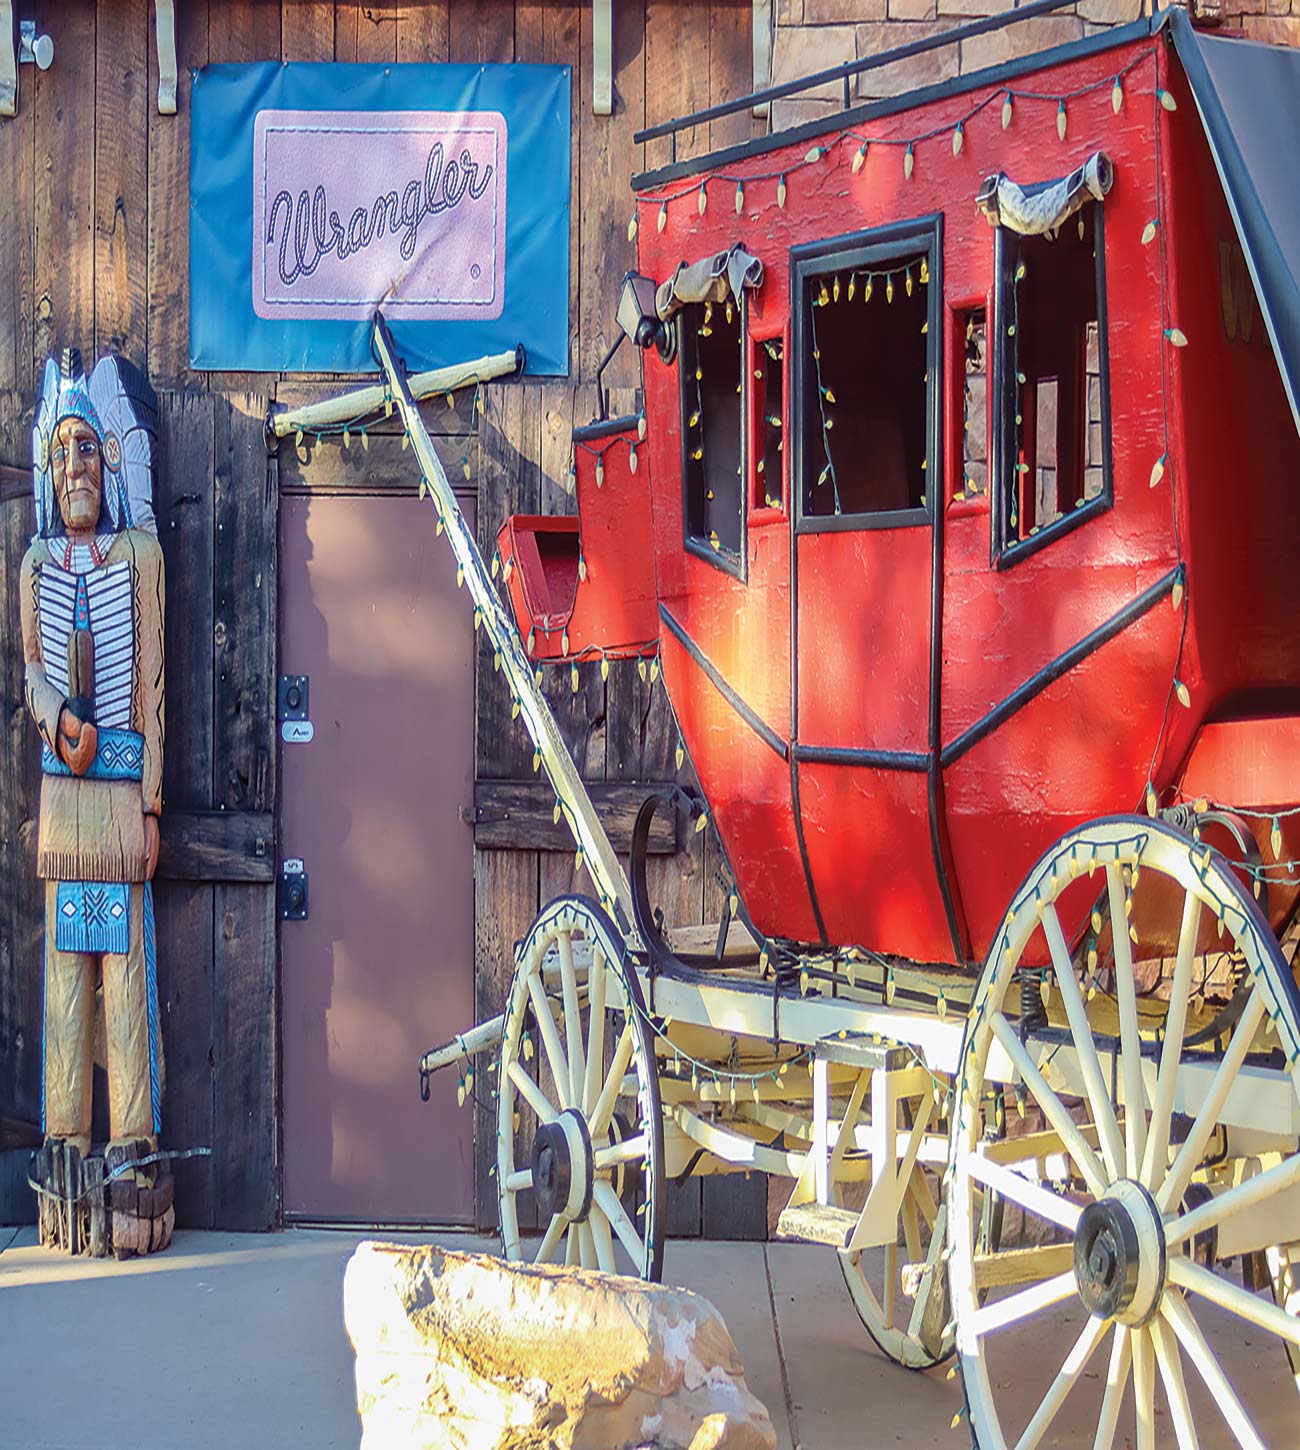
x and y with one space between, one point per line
93 916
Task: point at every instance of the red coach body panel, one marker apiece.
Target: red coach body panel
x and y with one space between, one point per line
887 753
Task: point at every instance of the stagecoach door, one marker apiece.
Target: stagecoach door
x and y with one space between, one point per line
373 781
865 406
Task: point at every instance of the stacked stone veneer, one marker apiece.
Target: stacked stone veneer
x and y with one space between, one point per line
813 35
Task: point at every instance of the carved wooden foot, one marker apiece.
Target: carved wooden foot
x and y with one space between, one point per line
141 1201
83 1209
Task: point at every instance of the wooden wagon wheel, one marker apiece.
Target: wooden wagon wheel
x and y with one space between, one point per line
577 1059
911 1322
1137 1177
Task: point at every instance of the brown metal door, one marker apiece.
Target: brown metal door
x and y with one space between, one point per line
383 967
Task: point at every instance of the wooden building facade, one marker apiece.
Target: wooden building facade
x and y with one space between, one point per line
94 253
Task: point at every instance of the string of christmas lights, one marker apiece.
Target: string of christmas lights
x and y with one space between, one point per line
863 144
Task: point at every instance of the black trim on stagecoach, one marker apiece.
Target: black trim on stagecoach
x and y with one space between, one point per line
1062 664
756 723
606 428
892 243
852 755
1006 550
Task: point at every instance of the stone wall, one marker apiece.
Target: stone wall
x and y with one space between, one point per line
813 35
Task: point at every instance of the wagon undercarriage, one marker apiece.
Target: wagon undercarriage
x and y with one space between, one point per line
1100 1122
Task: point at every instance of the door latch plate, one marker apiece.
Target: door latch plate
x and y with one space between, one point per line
292 892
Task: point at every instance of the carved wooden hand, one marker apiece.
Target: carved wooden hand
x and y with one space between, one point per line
78 742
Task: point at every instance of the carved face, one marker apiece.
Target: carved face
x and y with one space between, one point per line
78 474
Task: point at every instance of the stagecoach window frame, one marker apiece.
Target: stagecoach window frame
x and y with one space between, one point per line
735 564
875 248
1006 549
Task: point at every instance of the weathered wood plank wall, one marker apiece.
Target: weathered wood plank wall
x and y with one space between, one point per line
94 252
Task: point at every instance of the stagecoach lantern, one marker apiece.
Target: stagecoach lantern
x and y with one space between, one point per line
637 314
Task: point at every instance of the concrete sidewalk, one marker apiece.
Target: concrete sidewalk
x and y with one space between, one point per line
237 1340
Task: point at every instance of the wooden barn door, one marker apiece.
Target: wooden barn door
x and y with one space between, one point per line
382 968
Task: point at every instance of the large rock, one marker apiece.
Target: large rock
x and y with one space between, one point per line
467 1352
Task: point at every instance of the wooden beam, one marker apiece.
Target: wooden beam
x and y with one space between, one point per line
217 846
518 814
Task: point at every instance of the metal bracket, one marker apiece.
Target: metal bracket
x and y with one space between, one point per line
165 30
292 697
762 54
33 49
292 892
602 57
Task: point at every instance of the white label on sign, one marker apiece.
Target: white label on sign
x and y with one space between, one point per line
293 866
297 732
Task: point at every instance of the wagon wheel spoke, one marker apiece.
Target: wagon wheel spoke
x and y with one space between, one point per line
623 1226
1121 1360
1094 1331
609 1093
1103 1110
550 1240
1181 1321
597 984
1155 1158
629 1150
1170 1365
577 1067
531 1092
1024 1192
1171 1190
1144 1390
1002 1313
1135 1118
604 1242
1262 1313
551 1044
1057 1114
1235 1200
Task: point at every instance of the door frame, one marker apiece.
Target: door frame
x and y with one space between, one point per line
855 249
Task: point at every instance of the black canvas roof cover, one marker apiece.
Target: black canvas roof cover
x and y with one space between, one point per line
1249 99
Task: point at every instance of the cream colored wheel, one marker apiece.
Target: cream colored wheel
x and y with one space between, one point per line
901 1291
578 1074
1164 1156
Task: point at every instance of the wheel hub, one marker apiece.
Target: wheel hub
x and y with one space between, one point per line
563 1169
1119 1255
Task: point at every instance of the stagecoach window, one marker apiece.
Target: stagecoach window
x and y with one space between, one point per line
711 360
768 434
973 374
1053 404
865 387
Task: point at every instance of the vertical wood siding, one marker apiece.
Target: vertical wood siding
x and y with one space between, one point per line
94 253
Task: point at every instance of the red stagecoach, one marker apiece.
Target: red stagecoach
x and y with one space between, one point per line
960 514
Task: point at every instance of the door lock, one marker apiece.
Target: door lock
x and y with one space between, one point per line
292 891
292 697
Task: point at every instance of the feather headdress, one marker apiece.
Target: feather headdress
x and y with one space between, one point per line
120 405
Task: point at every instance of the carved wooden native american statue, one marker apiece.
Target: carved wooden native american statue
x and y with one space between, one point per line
92 622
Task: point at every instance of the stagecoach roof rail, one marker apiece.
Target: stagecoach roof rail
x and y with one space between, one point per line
850 68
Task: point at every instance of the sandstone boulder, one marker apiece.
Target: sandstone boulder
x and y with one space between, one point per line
467 1352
